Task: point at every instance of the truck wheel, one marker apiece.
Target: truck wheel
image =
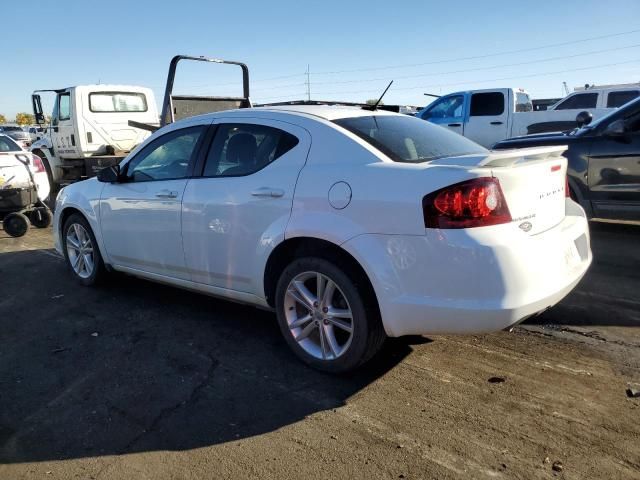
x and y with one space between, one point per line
81 251
15 224
40 217
326 319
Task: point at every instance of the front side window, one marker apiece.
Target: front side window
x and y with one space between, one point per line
617 99
105 102
487 104
580 100
167 157
409 139
449 107
241 149
64 106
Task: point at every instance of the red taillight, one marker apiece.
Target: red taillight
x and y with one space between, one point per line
38 165
474 203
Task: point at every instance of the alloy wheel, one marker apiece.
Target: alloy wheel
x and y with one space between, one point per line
80 250
318 315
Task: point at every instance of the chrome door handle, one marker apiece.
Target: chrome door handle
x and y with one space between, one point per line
268 192
167 194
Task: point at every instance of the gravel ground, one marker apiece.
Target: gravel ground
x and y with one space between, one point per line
138 380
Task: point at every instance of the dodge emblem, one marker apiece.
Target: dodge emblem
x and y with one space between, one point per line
525 226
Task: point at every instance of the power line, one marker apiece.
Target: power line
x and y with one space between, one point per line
420 87
480 68
475 57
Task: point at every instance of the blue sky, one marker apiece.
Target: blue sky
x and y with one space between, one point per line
131 42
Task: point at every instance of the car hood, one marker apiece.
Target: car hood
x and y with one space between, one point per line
536 140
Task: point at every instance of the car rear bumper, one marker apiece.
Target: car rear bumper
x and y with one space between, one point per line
473 280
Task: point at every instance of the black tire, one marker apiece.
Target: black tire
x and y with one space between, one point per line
40 217
368 333
15 224
98 272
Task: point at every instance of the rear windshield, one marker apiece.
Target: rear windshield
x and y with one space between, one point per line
117 102
8 145
409 139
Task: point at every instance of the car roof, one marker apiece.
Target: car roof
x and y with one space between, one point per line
325 112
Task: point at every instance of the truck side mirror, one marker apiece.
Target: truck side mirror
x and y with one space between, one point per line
616 129
109 174
584 118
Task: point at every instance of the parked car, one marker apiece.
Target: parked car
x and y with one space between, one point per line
36 133
18 134
352 224
604 162
488 116
23 188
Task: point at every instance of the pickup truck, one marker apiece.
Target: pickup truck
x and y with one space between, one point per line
489 116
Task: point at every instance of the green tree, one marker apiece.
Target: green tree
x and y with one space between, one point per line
24 118
3 119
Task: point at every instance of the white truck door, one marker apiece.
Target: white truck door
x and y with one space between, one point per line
63 136
488 116
447 112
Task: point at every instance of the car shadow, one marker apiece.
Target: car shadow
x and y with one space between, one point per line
135 366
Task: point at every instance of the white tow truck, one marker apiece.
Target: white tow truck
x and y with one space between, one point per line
91 128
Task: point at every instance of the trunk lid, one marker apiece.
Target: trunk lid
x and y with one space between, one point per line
532 181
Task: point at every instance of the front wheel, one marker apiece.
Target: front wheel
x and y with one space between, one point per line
81 250
327 316
40 217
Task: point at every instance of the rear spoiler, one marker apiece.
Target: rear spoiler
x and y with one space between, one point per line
506 158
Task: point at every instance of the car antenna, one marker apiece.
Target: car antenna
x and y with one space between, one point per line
375 105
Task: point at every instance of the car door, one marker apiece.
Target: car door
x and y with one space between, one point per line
64 141
614 173
447 112
488 118
238 210
140 216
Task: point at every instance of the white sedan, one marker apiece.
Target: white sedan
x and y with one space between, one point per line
352 224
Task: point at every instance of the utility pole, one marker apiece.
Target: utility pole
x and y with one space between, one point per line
308 83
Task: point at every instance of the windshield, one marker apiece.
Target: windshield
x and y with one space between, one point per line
408 139
8 145
10 128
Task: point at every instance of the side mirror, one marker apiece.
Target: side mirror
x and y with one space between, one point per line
615 129
109 174
584 118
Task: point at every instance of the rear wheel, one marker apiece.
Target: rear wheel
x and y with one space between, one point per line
15 224
81 250
325 317
40 217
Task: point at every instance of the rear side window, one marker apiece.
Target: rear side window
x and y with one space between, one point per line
240 149
523 102
617 99
409 139
106 102
581 100
487 104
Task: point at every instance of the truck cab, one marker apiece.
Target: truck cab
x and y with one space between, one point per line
91 122
480 115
